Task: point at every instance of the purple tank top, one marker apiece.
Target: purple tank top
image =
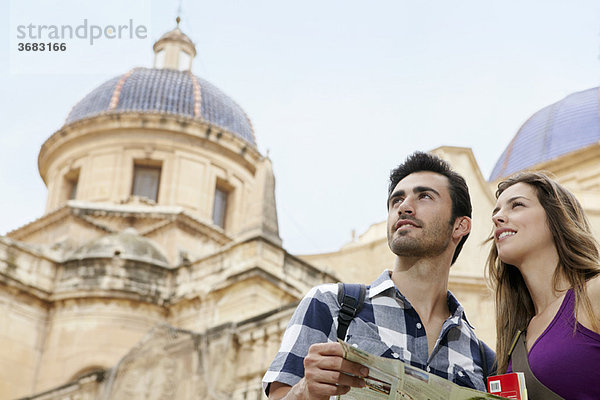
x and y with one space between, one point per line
568 365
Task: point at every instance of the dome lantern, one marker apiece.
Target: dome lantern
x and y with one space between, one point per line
174 50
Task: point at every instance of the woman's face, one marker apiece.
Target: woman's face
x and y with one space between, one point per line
521 227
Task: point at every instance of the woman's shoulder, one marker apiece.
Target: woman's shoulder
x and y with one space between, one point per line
593 290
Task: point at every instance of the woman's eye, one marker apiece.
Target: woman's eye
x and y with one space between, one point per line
516 204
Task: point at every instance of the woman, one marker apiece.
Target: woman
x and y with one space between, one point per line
545 269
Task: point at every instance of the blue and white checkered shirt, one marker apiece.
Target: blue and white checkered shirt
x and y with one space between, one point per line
386 326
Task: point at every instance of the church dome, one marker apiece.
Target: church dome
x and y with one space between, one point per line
128 245
165 91
568 125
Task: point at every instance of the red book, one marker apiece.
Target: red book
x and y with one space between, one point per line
511 386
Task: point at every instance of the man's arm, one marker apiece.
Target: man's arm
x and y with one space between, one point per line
326 373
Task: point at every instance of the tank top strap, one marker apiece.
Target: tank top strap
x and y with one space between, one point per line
536 390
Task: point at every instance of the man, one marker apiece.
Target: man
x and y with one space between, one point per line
408 312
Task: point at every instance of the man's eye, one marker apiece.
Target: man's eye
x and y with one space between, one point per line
425 196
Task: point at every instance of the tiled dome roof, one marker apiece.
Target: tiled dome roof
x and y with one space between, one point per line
168 91
560 128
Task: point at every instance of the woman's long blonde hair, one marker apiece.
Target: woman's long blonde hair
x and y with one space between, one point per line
578 253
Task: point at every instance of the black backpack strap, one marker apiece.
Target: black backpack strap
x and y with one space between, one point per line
351 297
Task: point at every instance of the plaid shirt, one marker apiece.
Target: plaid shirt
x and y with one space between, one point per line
387 326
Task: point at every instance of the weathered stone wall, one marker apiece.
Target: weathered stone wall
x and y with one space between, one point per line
26 280
225 362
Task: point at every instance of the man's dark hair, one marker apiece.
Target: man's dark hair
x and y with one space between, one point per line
459 192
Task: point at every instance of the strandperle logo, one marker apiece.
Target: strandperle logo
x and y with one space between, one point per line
83 31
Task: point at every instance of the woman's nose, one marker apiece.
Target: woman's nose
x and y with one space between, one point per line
498 219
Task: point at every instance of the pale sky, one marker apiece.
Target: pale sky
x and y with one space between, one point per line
339 92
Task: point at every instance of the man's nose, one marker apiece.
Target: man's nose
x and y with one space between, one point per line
406 207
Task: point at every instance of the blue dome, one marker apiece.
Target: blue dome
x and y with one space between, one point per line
168 91
563 127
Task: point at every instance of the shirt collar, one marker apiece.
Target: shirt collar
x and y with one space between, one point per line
384 282
381 284
457 311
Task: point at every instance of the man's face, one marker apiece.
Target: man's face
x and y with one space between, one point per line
419 215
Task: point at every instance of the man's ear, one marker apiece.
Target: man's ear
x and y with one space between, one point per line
462 227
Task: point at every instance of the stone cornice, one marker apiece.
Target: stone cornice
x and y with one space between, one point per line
235 147
84 210
260 273
304 264
57 215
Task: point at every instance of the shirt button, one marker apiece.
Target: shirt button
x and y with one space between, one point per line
460 373
419 326
428 368
395 355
